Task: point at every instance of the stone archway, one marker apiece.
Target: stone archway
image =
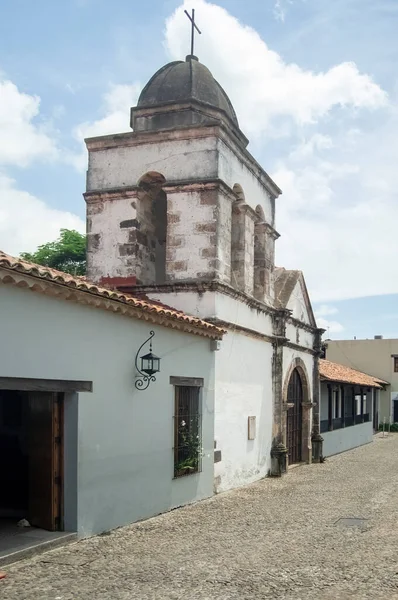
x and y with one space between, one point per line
297 408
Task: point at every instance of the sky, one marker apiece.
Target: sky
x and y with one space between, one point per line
314 86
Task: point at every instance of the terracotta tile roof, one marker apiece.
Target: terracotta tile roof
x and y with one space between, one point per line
82 284
330 371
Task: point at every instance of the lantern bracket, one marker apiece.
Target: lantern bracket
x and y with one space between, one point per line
143 379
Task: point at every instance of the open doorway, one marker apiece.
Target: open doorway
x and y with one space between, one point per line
31 455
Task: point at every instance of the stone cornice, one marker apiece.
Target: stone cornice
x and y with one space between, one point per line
302 325
272 339
171 187
241 329
219 131
120 193
88 298
195 106
200 287
300 348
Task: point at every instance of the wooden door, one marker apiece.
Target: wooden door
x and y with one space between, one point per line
294 418
45 459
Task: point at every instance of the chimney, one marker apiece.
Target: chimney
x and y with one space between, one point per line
378 337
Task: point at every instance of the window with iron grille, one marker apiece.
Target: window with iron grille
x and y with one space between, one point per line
187 430
395 364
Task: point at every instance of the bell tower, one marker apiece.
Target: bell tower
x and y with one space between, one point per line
180 199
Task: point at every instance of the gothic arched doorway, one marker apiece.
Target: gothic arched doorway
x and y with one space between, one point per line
294 417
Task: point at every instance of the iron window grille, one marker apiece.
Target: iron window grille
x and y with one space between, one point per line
187 431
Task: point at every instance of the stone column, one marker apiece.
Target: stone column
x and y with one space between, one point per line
317 439
278 449
242 250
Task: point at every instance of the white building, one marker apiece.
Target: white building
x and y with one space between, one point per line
180 211
85 446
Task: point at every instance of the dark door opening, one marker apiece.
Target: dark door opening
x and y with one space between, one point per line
395 412
31 425
294 418
375 412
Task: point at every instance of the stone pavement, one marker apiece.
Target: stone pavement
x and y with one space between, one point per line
274 539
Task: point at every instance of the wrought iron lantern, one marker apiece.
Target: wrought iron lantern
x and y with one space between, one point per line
149 365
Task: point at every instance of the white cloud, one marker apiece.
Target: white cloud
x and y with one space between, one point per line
330 326
115 119
262 86
23 138
325 310
346 213
338 212
26 222
280 9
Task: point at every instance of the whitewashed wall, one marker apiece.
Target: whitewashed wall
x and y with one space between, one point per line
233 171
243 388
125 164
123 438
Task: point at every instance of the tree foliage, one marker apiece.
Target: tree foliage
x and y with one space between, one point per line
67 253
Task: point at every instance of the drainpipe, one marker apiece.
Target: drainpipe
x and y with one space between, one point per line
316 438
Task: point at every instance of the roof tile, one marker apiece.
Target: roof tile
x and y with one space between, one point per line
330 371
82 284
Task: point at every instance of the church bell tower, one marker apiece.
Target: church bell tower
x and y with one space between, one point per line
180 199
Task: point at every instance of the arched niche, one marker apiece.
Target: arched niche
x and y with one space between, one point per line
152 227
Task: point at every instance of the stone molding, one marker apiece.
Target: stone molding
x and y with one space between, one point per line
219 131
171 187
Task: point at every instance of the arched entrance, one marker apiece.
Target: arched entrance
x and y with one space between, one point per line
295 417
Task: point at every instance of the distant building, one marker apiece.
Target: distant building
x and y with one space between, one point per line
379 358
349 407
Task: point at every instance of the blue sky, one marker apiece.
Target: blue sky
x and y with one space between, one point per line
314 85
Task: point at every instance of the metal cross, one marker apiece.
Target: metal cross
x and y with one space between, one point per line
194 26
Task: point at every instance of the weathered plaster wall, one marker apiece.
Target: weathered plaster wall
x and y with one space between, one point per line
347 438
297 305
233 171
243 388
299 335
109 247
192 227
176 160
124 456
199 221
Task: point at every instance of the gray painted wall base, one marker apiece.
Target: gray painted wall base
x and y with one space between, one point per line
341 440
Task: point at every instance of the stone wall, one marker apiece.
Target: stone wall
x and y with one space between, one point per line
209 232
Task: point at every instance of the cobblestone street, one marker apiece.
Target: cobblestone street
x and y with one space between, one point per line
274 539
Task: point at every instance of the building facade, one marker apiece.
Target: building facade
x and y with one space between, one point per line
87 449
378 357
349 407
180 211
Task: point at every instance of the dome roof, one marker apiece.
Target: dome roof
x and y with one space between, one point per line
184 81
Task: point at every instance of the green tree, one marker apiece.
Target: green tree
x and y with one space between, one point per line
67 253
